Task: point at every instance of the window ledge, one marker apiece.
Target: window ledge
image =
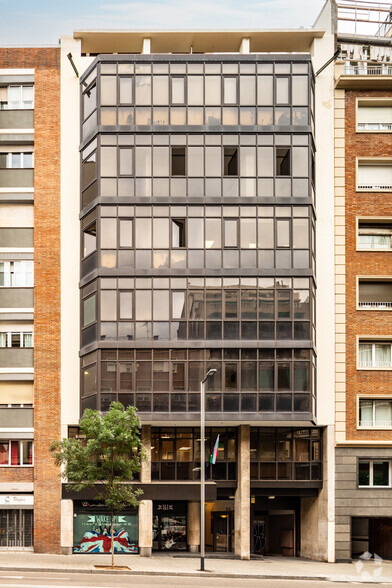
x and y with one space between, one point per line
375 487
374 249
374 369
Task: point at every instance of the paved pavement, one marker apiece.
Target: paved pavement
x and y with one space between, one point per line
159 565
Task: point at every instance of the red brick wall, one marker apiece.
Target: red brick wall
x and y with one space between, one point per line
17 474
47 409
364 322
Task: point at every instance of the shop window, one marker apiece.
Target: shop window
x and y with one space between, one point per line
230 161
178 161
283 161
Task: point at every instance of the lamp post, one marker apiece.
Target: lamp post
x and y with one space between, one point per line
203 467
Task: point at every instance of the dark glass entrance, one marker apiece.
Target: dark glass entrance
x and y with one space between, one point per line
169 526
222 531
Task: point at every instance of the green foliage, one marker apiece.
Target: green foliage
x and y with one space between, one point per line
108 456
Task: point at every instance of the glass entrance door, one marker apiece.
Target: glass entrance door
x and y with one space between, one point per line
16 528
222 531
169 532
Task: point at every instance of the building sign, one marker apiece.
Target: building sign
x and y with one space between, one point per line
16 500
92 533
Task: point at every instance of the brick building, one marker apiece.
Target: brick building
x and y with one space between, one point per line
30 487
363 185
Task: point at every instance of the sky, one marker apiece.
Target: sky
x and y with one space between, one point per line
42 22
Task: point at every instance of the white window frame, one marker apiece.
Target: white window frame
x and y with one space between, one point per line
373 102
22 104
22 157
372 220
20 452
376 161
21 335
373 343
9 274
373 400
371 480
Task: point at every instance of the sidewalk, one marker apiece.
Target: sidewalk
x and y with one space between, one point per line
268 568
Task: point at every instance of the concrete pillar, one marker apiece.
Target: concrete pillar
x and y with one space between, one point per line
146 48
66 527
242 495
193 526
145 472
145 528
245 46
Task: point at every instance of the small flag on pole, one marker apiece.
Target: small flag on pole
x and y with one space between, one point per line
215 452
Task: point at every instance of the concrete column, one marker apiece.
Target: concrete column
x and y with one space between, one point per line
245 46
242 495
66 527
145 472
145 528
193 526
146 48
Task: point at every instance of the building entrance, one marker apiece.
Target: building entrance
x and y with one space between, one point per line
16 528
373 535
222 531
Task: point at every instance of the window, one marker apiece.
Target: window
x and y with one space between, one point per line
16 453
16 160
283 162
374 295
16 274
375 355
375 413
374 175
89 239
374 115
374 235
89 310
178 161
231 233
16 339
178 90
178 233
372 473
230 164
17 97
229 90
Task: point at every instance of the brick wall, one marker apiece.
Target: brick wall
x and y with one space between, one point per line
47 484
17 474
364 322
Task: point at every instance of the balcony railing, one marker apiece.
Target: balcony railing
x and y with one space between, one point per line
374 126
375 364
374 305
375 425
374 242
374 186
368 69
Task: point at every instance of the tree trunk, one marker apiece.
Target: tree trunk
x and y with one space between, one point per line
111 533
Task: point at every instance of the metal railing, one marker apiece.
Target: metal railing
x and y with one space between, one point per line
375 364
368 69
377 424
375 305
374 244
374 126
374 186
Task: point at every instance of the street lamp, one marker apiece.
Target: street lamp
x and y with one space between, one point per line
203 467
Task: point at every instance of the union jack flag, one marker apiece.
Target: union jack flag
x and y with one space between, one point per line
94 542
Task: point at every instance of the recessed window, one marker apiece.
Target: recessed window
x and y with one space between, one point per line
178 232
374 294
17 97
374 235
16 160
89 239
374 473
375 355
16 339
374 175
283 158
375 414
16 274
374 115
230 155
178 161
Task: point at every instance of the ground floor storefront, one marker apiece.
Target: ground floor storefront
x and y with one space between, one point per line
16 522
363 503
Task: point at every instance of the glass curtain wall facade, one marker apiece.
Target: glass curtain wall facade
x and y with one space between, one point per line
197 236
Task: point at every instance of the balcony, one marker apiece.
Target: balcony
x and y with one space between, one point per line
16 357
353 75
368 68
17 119
16 178
374 295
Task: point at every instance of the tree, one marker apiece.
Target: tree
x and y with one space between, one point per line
109 454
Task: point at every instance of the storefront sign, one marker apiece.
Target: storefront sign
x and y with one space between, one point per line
16 500
92 533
